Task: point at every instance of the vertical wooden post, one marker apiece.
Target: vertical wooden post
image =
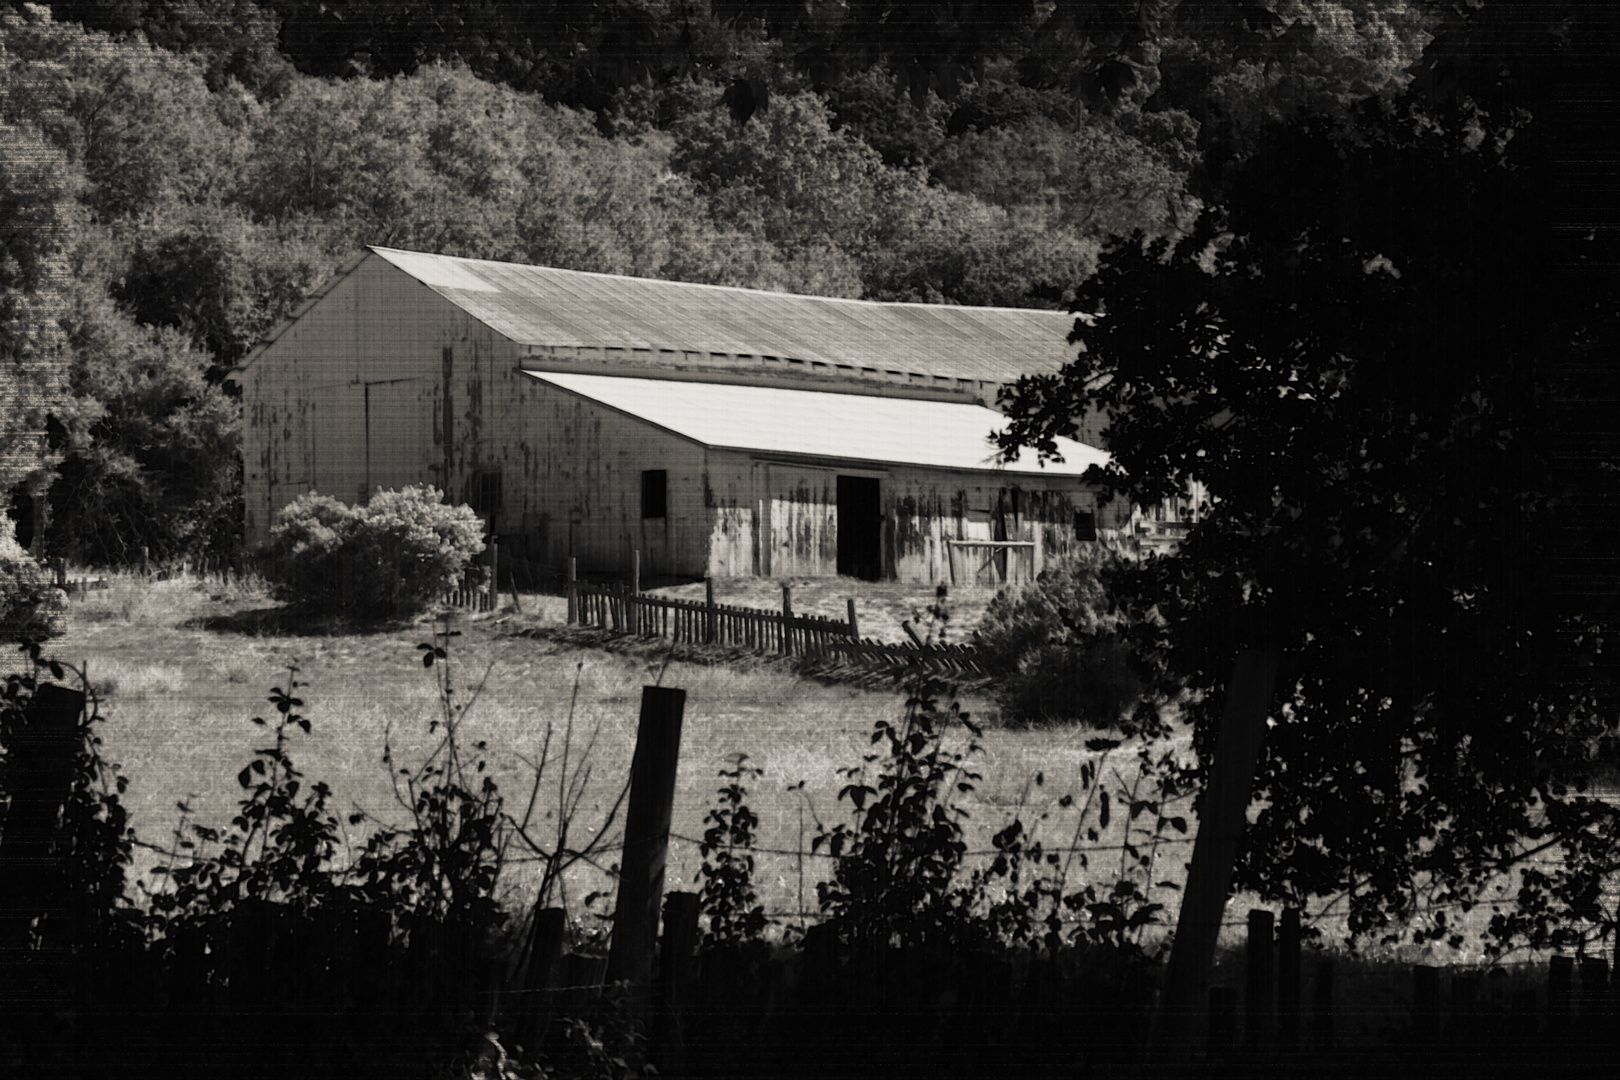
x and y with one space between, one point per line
1594 994
1322 1006
854 628
1560 994
1259 979
1425 1003
60 565
1288 979
710 616
1222 1021
571 589
787 620
635 571
1464 1007
494 573
646 836
39 776
545 952
146 566
1226 804
676 954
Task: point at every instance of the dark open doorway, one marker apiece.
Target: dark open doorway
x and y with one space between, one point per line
860 528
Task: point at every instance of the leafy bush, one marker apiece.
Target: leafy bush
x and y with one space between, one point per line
390 557
728 896
30 606
1060 646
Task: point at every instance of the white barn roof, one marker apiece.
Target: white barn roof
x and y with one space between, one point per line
545 307
764 419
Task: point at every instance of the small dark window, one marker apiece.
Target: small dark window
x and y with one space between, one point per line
1085 525
486 491
654 493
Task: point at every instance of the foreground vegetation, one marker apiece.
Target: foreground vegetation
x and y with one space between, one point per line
180 665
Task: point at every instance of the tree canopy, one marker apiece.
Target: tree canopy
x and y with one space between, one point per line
1361 349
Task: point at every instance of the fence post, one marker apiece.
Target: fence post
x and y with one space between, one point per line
494 573
635 571
1594 994
646 838
545 951
571 589
1288 979
709 614
676 954
1560 995
146 566
1259 978
854 629
1222 1021
1425 1002
787 620
1322 1006
40 778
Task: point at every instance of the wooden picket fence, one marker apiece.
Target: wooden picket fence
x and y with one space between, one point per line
835 643
625 609
478 589
473 592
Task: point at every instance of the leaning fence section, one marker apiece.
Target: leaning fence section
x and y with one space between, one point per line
616 608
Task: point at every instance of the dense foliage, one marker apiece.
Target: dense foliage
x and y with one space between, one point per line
180 174
1362 350
389 558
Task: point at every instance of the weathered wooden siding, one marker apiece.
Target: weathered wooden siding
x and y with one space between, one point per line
780 519
571 481
377 385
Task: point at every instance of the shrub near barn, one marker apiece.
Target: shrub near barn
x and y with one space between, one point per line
389 558
1061 647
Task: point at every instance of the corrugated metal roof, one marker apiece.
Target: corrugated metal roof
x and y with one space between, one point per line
537 305
765 419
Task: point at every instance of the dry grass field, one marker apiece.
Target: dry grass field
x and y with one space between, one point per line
181 666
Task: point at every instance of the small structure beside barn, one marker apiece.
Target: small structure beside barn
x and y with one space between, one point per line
719 431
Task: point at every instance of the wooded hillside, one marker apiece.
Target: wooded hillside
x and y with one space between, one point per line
180 173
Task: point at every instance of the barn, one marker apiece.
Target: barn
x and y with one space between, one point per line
717 431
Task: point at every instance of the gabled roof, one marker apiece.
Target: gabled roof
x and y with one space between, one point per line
544 307
772 420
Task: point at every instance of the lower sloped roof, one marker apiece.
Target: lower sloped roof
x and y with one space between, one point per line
771 420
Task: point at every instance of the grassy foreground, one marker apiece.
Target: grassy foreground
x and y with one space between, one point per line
181 666
179 678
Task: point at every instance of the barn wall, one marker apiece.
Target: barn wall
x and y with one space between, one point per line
379 384
780 519
571 482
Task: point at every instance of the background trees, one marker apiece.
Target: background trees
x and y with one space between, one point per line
204 164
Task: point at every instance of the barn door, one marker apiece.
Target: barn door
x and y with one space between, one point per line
860 528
